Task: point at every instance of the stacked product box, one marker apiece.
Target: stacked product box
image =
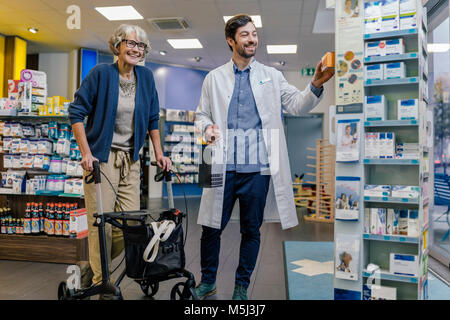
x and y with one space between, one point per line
379 145
408 109
32 90
390 221
375 108
407 151
389 15
381 48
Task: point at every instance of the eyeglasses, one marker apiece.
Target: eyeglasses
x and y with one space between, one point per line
131 44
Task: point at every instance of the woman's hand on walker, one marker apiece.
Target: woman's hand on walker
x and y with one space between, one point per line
86 162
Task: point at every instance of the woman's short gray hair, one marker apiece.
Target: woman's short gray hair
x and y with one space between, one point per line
122 32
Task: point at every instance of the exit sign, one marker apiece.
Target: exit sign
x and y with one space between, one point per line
308 72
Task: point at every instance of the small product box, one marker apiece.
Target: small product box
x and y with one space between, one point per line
408 109
387 145
390 15
13 89
372 17
371 150
375 108
408 14
373 220
375 48
374 292
394 70
373 72
392 221
366 220
409 192
78 224
381 223
394 46
403 264
371 190
403 222
413 223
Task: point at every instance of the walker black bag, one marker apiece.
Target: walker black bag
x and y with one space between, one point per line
170 256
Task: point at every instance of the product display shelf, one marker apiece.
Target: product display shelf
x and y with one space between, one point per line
376 249
386 275
40 248
390 238
391 200
391 123
392 58
392 82
391 34
179 189
398 162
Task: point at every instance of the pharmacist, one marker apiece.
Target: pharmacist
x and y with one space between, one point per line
121 105
246 96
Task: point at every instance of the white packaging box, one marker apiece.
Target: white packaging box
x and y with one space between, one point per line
390 218
394 70
78 224
408 14
366 220
413 223
373 72
383 293
409 192
394 46
381 223
375 108
371 190
403 264
375 48
408 109
373 220
372 17
390 15
387 145
371 150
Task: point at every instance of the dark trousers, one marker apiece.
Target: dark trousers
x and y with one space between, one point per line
251 190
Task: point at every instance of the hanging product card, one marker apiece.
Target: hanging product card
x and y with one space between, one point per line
347 257
347 198
349 51
348 140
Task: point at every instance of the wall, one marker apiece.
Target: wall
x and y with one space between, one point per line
2 66
57 66
296 79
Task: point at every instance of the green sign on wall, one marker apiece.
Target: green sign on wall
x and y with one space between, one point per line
308 72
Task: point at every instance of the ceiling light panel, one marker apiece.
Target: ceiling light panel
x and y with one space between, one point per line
120 13
185 43
282 49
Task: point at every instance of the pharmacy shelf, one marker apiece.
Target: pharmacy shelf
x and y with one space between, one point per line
391 82
391 123
45 194
34 117
400 162
391 200
392 58
390 34
385 275
390 238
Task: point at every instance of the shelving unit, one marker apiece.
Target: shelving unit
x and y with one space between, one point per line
376 248
39 248
185 139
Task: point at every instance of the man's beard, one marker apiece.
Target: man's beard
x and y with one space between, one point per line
241 52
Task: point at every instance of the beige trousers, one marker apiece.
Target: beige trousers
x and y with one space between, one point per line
124 174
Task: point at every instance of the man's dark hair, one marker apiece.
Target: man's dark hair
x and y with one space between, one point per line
235 23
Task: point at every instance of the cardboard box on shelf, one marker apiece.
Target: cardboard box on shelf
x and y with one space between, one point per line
390 15
403 264
408 109
372 17
373 72
394 70
78 224
394 46
375 108
375 48
408 14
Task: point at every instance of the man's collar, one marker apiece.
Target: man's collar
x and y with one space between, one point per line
249 67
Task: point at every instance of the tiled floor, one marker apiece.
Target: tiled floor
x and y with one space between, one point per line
25 280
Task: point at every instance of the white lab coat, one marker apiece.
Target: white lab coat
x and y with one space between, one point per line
271 92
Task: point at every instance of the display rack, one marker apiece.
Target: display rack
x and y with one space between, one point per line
321 200
40 248
181 142
376 248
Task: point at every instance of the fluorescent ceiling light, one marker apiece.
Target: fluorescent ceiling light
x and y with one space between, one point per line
119 13
33 30
438 47
162 52
185 43
256 20
282 49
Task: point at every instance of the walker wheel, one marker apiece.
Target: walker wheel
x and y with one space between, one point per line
181 291
149 289
63 292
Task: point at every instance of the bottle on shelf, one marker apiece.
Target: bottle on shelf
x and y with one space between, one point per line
3 225
10 226
41 218
66 220
47 209
58 221
51 220
35 219
27 220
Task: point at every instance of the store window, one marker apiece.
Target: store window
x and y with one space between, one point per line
439 95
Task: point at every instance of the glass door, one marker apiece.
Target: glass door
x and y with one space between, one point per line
439 98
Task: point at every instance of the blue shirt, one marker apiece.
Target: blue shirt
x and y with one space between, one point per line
97 99
246 151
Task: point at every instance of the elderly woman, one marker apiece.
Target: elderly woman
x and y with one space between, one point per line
121 105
